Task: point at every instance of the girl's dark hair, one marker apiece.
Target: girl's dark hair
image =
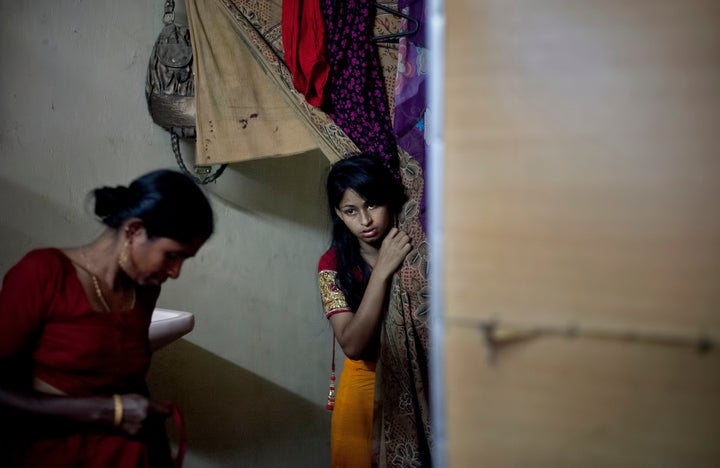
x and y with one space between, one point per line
169 203
366 174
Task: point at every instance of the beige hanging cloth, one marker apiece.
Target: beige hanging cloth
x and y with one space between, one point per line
240 113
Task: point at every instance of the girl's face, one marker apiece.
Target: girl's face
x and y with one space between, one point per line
152 261
369 223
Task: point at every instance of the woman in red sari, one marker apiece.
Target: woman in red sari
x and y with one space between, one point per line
74 347
354 277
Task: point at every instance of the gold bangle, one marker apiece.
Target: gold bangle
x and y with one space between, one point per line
118 410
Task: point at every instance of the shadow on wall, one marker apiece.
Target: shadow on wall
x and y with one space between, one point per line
290 187
235 418
30 220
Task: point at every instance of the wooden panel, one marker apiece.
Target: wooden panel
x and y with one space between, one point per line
582 162
581 187
567 402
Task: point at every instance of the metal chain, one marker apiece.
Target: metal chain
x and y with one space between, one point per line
178 157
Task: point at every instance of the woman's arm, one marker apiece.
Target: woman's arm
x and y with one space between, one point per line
59 412
91 410
356 331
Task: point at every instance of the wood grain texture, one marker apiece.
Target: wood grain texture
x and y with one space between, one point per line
581 186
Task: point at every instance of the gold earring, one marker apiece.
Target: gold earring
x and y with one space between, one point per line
124 257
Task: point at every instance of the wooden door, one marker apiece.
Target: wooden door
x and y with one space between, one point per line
582 228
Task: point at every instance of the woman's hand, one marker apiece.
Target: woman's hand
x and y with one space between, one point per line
139 412
393 250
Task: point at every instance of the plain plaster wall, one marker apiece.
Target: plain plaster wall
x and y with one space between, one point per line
252 377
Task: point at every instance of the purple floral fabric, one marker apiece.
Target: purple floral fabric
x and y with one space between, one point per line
358 101
410 97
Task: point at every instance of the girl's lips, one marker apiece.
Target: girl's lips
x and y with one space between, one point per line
369 233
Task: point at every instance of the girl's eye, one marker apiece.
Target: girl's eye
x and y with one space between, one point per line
371 206
350 212
171 256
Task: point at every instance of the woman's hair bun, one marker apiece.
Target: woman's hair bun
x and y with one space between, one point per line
111 201
169 204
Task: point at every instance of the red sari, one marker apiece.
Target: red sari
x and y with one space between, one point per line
46 319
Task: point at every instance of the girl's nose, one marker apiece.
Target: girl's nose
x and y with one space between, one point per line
365 218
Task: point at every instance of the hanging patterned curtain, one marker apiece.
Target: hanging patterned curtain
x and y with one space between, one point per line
402 435
402 432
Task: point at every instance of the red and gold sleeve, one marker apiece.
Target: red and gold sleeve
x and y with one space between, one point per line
333 298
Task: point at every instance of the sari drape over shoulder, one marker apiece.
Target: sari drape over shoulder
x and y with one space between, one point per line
402 434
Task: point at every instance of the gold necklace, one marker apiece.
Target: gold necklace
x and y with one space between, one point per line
98 291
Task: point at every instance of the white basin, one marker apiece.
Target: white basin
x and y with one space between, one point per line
168 325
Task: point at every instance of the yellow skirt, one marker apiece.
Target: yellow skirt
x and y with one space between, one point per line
352 419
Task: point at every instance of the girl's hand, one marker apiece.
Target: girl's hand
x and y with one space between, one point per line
139 412
393 251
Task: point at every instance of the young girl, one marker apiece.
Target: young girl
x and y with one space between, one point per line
354 277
